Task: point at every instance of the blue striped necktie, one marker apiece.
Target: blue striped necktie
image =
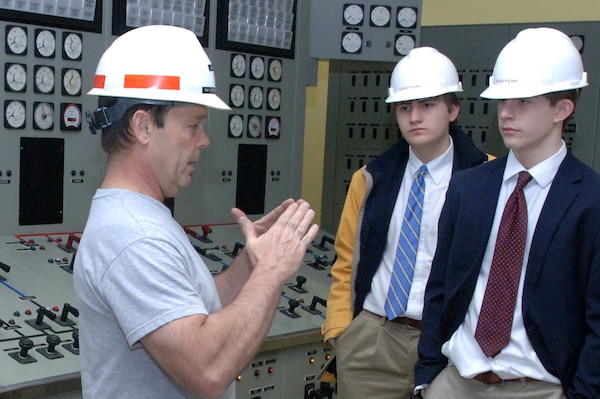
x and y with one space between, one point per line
406 251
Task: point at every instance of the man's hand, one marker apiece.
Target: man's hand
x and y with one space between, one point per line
278 241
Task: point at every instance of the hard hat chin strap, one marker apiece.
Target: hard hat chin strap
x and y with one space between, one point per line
103 117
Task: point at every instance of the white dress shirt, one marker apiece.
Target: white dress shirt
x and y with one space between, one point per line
437 179
518 358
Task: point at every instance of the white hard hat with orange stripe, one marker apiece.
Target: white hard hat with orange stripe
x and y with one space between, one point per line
155 64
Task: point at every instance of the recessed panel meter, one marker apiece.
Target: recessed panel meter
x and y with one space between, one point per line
354 14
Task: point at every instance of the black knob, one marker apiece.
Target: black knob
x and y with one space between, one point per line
25 344
52 341
76 339
294 303
300 280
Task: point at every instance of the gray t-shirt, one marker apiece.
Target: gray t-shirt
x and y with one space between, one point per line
135 271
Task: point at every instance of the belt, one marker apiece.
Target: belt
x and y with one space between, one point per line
410 323
490 378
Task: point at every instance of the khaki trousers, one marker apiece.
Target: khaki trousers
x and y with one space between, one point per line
376 359
450 385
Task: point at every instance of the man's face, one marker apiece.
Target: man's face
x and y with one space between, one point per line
528 125
175 148
425 122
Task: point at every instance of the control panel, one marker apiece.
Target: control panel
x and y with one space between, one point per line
39 336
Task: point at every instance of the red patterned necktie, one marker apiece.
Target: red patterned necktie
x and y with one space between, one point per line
498 307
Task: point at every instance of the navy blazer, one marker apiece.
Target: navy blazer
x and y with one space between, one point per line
561 294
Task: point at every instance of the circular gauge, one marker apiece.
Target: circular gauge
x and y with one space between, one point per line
71 82
71 117
238 65
273 127
16 40
577 42
15 77
406 17
404 43
45 43
353 14
275 69
14 114
236 126
254 126
72 46
236 96
43 116
380 16
273 99
351 42
257 67
256 97
44 79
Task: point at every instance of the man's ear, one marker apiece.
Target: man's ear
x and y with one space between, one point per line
563 110
139 125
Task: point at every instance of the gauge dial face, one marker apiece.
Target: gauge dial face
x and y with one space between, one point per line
15 77
257 67
380 16
273 127
404 43
16 40
236 96
238 65
43 116
256 97
577 42
72 46
275 70
351 42
254 126
71 116
353 14
44 79
406 17
14 114
273 99
71 82
45 43
236 126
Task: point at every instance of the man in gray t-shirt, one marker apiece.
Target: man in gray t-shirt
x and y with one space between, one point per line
154 322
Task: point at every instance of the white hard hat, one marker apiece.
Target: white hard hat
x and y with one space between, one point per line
537 61
423 73
160 63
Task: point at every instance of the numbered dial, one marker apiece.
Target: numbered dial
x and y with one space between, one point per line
236 126
406 17
16 40
275 69
15 77
273 127
274 99
14 114
71 117
404 43
43 116
351 42
45 43
236 96
257 68
71 82
44 79
380 16
256 97
254 126
238 65
72 46
353 14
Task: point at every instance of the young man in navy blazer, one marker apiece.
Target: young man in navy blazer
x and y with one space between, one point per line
554 346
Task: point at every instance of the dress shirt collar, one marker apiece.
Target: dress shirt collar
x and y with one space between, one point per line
436 168
543 173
